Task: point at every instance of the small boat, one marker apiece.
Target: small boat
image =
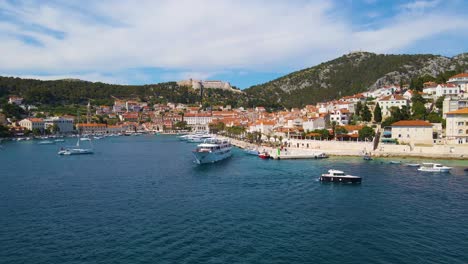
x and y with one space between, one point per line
264 155
97 137
59 140
338 176
46 142
322 155
251 152
434 167
413 165
367 157
395 162
85 139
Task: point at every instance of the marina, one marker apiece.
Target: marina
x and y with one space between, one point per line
157 208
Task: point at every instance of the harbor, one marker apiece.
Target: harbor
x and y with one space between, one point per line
161 204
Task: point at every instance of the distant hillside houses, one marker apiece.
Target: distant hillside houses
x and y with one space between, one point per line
198 84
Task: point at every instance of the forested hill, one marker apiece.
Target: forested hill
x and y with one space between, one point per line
350 74
63 92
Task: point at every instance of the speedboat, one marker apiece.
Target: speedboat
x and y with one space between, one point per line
75 151
322 155
252 152
413 165
395 162
59 140
434 167
264 155
212 150
338 176
46 142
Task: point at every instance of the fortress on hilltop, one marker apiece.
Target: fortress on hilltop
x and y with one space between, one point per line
198 84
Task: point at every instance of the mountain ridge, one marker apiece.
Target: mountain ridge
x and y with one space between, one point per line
352 73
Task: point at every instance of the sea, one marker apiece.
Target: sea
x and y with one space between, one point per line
142 199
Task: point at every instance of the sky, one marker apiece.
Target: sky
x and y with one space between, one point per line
245 42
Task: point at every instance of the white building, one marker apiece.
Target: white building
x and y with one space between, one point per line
313 124
387 102
457 126
448 89
32 123
340 116
461 81
263 126
15 100
65 125
198 121
451 104
412 132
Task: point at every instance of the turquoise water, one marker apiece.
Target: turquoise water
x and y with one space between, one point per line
142 200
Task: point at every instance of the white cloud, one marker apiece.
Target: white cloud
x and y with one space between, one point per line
205 36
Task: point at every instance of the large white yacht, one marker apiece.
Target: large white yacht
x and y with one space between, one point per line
212 150
434 167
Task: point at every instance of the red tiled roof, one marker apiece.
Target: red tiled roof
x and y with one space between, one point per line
461 75
420 123
459 111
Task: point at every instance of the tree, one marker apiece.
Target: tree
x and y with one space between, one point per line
53 129
358 108
12 110
340 130
419 110
36 132
366 133
180 125
366 114
4 131
440 102
377 113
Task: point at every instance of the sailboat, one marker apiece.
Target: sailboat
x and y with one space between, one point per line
76 150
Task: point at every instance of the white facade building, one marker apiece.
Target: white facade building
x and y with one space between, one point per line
387 102
457 126
341 116
32 123
65 125
412 132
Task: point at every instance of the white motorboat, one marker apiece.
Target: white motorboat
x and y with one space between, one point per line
338 176
252 151
199 138
46 142
434 167
212 150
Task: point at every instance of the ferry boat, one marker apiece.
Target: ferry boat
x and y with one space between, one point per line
434 167
339 177
212 150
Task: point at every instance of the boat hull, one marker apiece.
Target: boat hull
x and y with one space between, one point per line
211 157
68 152
340 179
435 170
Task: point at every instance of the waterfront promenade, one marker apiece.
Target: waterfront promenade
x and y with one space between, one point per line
346 148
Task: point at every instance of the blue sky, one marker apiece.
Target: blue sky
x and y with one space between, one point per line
243 42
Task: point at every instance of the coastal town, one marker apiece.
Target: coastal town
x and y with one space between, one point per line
383 122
